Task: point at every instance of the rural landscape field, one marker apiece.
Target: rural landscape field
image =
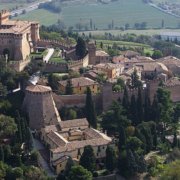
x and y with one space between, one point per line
120 12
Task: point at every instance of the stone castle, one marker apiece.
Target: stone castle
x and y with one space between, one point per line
17 38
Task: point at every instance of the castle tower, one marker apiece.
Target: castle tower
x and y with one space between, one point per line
40 107
4 16
92 53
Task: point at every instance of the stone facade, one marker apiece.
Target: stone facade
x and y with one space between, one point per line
17 38
40 107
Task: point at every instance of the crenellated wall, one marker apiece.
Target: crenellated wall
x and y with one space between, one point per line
107 96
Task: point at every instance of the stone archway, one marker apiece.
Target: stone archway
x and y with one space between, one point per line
6 52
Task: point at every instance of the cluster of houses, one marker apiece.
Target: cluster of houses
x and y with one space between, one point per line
121 66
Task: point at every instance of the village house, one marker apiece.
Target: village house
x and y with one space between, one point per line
79 85
109 69
97 56
172 63
68 139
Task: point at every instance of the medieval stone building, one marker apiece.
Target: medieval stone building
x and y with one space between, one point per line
17 38
40 107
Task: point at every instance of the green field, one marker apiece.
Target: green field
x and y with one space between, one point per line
8 6
121 12
148 32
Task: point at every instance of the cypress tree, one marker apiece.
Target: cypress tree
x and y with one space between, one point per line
90 109
69 88
18 122
122 139
80 48
88 159
147 108
125 101
68 167
110 159
139 107
132 165
155 114
7 153
1 154
133 110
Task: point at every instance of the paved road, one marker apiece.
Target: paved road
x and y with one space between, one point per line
28 8
49 54
43 163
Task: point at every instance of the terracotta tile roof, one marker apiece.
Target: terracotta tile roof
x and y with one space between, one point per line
91 133
77 82
73 123
172 82
102 53
80 144
129 53
108 66
56 138
152 66
170 60
15 26
38 88
60 160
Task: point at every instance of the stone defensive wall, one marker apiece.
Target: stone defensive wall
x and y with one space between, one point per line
107 96
49 43
79 63
75 100
19 65
51 67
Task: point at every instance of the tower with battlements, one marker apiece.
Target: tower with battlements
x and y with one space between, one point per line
17 38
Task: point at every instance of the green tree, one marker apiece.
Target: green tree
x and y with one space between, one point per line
125 101
88 159
72 114
69 87
114 118
122 139
90 109
79 173
1 153
165 105
80 48
172 171
133 110
34 173
135 80
157 54
3 169
7 126
132 165
139 106
68 167
7 153
134 144
110 159
18 172
147 108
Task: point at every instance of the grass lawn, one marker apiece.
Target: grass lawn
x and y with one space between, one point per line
121 12
57 60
